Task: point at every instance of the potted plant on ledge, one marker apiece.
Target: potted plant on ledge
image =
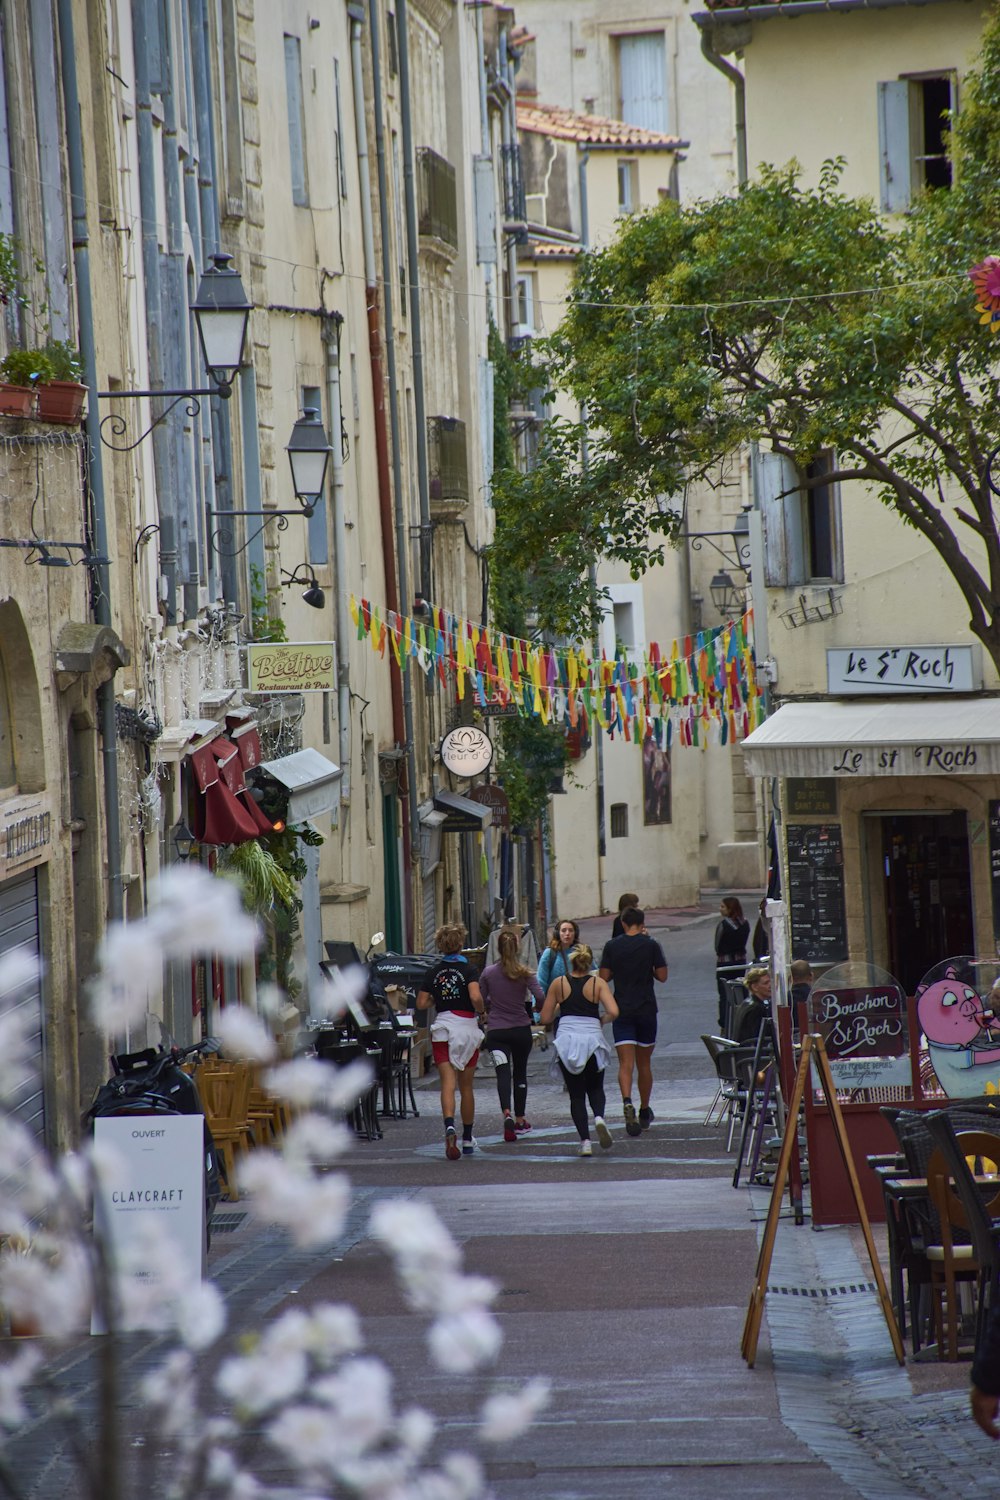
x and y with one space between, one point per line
61 396
22 371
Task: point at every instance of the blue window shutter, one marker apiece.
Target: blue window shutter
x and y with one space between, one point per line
642 67
296 120
780 501
895 173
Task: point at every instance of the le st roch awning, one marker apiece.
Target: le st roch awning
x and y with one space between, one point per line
859 739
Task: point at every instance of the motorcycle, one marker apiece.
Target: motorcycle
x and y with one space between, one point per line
386 971
153 1082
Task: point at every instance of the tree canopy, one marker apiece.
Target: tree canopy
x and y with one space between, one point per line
796 317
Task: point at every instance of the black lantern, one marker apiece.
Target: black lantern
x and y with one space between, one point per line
222 314
312 593
183 841
309 455
727 598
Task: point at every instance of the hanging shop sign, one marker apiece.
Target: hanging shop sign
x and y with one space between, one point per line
25 833
466 751
292 667
903 669
496 798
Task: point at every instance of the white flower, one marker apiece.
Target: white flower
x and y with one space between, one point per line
466 1473
196 913
415 1430
456 1294
270 999
131 970
324 1224
343 985
55 1297
19 970
288 1334
307 1435
346 1085
413 1233
244 1035
304 1082
359 1398
462 1342
201 1316
160 1386
267 1378
14 1376
313 1138
508 1414
17 1057
335 1331
313 1209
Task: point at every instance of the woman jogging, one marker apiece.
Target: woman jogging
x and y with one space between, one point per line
451 987
507 987
555 960
582 1050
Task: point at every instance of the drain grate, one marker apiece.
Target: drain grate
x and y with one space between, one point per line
226 1223
826 1291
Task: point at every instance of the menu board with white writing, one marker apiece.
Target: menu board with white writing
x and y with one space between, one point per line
815 891
866 1033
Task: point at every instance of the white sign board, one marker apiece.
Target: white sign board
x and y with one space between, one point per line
466 751
161 1177
903 669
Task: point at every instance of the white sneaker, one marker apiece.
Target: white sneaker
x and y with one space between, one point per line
603 1133
586 1149
469 1148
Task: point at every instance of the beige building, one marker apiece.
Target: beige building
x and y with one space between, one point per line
887 792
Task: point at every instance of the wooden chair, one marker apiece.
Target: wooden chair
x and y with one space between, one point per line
951 1263
225 1097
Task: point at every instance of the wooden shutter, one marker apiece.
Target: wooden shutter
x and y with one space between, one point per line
895 170
780 500
643 75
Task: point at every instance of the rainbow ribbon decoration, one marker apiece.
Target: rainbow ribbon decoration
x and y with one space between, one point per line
704 692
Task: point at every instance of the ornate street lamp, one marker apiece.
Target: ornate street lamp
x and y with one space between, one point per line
308 457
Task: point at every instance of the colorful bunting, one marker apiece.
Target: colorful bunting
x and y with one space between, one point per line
705 693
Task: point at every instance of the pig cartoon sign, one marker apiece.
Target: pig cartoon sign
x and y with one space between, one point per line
962 1033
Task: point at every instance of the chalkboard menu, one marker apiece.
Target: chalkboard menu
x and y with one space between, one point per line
995 870
815 887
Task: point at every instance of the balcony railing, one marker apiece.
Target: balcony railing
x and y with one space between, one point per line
514 209
437 206
448 461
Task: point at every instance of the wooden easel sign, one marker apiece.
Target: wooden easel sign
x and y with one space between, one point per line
812 1049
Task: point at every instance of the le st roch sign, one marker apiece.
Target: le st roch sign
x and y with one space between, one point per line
862 670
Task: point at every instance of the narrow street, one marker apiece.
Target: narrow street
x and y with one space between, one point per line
625 1280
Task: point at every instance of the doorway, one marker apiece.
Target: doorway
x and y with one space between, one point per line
927 891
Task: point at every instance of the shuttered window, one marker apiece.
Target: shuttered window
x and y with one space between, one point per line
296 121
642 73
802 533
913 118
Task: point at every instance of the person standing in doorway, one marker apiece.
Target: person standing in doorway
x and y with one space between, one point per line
581 1048
508 988
452 987
555 960
633 961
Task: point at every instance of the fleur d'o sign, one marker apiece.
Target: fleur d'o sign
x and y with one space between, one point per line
986 279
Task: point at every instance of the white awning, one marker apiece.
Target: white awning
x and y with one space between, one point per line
313 783
960 737
462 814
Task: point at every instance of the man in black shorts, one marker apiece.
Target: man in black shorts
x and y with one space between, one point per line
632 962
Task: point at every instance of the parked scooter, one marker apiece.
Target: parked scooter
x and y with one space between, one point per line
153 1082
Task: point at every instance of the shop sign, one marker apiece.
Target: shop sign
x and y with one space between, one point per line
810 795
932 759
25 833
291 667
903 669
466 751
155 1178
493 797
866 1034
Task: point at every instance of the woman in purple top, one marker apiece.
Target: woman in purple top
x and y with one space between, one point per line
506 987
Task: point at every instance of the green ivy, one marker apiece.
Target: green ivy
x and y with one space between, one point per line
264 625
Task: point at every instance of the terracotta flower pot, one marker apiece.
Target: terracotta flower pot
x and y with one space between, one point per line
16 400
60 401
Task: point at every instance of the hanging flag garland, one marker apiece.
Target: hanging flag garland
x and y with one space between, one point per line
704 692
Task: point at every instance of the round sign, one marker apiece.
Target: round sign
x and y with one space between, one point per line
466 751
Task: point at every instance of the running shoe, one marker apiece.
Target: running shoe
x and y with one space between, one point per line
469 1148
603 1133
451 1149
646 1118
509 1129
632 1126
586 1149
524 1126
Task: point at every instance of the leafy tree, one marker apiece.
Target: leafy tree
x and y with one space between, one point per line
800 319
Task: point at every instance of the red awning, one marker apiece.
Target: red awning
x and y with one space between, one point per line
248 744
224 813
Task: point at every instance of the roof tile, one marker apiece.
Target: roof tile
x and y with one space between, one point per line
589 130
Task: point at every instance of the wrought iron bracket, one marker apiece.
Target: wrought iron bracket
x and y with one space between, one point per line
118 427
737 557
265 517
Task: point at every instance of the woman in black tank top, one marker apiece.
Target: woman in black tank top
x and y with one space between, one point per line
582 1051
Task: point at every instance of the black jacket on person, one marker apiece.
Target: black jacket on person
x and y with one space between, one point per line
986 1364
750 1023
731 937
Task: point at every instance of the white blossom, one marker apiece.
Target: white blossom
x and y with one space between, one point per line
314 1138
243 1035
331 998
313 1209
346 1085
359 1398
55 1297
304 1081
131 970
201 1316
335 1330
415 1430
507 1415
413 1233
466 1472
16 1053
264 1379
19 970
196 913
456 1294
306 1434
463 1342
270 999
14 1376
160 1385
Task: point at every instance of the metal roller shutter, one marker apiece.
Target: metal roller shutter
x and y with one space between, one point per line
19 929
